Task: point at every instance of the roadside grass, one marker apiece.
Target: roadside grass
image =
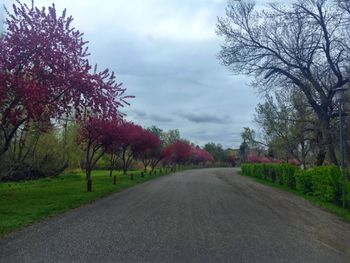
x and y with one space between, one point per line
330 207
23 203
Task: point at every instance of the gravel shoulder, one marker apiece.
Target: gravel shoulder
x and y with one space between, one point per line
208 215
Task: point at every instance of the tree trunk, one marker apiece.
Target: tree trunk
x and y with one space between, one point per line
112 164
89 185
347 153
88 180
303 155
321 156
115 179
328 141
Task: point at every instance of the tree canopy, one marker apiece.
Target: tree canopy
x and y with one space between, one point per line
304 46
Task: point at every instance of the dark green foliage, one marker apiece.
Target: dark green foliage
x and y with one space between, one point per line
323 182
326 182
280 173
303 181
288 174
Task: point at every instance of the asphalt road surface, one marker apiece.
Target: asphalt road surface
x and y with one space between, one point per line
209 215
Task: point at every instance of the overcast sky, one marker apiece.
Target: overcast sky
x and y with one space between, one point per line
164 51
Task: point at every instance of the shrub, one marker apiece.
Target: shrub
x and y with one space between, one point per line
281 173
288 174
303 180
347 193
326 183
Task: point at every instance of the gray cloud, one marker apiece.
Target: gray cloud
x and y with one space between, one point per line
205 118
152 118
158 118
140 114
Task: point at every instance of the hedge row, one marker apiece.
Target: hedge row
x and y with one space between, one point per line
323 182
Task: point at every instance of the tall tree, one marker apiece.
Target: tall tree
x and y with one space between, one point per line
178 152
95 135
146 148
170 136
287 125
130 136
216 150
156 131
201 156
243 152
45 72
304 45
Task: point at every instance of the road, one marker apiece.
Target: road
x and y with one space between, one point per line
209 215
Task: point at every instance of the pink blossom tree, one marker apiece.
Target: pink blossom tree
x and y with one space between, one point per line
179 152
147 149
253 158
130 136
201 156
95 135
45 72
232 160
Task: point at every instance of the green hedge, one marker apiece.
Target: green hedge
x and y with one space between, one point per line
323 182
280 173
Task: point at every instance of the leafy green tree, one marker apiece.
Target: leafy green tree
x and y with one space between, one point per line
216 150
156 131
288 125
170 136
243 151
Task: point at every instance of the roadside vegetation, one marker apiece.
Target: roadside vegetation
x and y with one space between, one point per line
320 185
26 202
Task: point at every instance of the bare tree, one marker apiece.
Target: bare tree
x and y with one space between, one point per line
304 45
344 4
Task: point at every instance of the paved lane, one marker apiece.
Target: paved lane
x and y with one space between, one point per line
209 215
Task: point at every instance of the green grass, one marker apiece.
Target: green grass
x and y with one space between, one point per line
330 207
22 203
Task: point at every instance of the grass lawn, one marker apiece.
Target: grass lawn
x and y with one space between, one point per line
23 203
330 207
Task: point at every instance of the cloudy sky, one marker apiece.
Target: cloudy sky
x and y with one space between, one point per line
164 51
